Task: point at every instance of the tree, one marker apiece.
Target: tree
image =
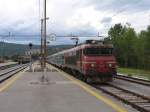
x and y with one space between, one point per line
124 39
116 34
131 49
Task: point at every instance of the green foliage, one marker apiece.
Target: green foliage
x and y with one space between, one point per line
131 49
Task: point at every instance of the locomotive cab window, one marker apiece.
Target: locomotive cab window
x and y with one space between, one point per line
98 51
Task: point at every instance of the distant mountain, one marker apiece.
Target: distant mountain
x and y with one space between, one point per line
57 48
10 49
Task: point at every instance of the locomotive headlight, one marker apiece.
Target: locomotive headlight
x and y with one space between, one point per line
110 65
92 65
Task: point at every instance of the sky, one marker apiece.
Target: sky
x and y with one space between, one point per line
66 17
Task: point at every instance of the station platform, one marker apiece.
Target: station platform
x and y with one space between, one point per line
62 93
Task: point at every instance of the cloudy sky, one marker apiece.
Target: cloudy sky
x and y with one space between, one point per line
77 17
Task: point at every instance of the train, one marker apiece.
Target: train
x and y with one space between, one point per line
92 61
23 59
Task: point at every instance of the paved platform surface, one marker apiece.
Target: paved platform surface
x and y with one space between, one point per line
28 94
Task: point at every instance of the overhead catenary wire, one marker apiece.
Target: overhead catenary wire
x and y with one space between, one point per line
126 7
41 15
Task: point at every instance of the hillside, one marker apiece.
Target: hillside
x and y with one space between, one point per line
10 49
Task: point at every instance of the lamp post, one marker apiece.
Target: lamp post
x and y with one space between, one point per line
44 35
42 44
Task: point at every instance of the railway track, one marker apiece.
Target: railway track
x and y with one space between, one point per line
133 80
137 101
8 74
7 66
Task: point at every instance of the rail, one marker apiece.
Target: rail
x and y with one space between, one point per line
6 75
2 67
133 80
137 101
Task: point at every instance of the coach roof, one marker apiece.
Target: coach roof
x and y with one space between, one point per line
82 46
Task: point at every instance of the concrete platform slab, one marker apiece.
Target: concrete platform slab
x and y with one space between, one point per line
28 94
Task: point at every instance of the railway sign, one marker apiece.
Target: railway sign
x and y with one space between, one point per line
51 37
76 39
30 45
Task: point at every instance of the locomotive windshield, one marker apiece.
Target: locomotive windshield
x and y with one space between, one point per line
98 51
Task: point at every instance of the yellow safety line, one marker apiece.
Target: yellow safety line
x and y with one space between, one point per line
10 81
93 93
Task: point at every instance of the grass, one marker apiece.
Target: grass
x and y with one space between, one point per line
134 72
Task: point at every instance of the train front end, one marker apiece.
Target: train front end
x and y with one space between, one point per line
99 64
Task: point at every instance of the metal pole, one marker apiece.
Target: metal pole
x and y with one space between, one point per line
30 62
44 34
30 46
